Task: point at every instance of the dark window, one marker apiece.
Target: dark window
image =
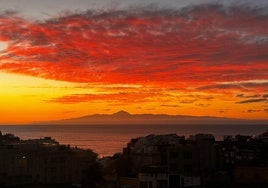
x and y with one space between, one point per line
162 183
53 170
188 155
62 169
173 155
174 181
143 184
188 168
62 159
54 178
150 184
173 167
256 176
53 160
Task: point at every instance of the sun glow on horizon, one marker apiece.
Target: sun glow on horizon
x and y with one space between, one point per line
26 99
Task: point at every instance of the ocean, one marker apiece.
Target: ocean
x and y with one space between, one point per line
107 140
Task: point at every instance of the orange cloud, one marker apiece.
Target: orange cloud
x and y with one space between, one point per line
123 98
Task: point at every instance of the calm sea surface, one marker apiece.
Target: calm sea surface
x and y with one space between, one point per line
110 139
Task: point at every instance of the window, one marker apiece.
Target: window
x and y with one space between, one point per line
174 181
256 176
173 167
187 155
150 184
53 169
173 155
188 168
162 183
53 160
143 184
62 159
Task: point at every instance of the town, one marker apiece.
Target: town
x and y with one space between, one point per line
153 161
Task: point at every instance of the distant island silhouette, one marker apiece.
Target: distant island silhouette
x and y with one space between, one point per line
124 117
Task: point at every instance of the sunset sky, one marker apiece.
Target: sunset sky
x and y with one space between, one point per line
68 58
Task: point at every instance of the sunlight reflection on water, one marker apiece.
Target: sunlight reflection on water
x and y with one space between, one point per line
110 139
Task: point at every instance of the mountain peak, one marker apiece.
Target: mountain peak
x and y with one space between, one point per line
122 113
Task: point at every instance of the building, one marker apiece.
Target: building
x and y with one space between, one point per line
42 161
171 160
252 176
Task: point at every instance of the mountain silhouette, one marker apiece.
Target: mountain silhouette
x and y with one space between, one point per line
123 117
121 113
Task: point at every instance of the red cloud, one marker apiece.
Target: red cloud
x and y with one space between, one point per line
193 46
